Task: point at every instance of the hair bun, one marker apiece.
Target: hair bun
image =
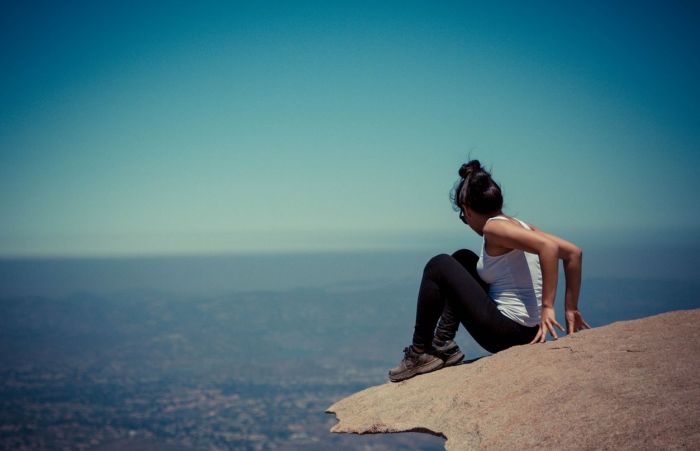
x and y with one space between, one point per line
476 190
469 168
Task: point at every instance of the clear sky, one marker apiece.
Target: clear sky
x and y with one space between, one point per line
203 127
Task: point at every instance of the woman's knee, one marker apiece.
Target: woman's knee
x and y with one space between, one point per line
436 262
465 255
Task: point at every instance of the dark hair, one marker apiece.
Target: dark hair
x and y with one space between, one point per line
476 190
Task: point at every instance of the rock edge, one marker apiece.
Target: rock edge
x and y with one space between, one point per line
630 384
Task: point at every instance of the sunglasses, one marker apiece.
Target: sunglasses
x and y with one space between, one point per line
462 217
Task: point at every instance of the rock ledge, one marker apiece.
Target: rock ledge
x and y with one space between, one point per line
631 384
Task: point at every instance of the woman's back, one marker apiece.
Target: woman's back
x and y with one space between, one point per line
515 281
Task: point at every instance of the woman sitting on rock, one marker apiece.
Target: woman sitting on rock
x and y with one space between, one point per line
503 297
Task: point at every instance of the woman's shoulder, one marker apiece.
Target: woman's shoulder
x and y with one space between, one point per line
513 220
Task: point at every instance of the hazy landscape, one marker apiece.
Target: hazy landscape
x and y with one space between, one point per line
247 370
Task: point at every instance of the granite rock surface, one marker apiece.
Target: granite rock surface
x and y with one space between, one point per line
629 385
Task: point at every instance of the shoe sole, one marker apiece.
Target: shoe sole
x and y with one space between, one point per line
454 359
427 368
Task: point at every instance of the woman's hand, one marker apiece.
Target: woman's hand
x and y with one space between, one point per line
547 323
574 321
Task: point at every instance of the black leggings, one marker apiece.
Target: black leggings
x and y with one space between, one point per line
452 292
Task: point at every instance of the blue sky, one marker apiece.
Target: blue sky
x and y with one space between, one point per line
306 126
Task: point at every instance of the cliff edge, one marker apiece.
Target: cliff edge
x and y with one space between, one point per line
630 384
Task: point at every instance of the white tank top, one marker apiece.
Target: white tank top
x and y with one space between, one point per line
515 281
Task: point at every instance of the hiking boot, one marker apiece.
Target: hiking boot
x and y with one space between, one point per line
413 364
448 351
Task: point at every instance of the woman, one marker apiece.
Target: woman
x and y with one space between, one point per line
503 297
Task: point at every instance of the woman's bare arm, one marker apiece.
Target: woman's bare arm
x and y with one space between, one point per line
572 257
